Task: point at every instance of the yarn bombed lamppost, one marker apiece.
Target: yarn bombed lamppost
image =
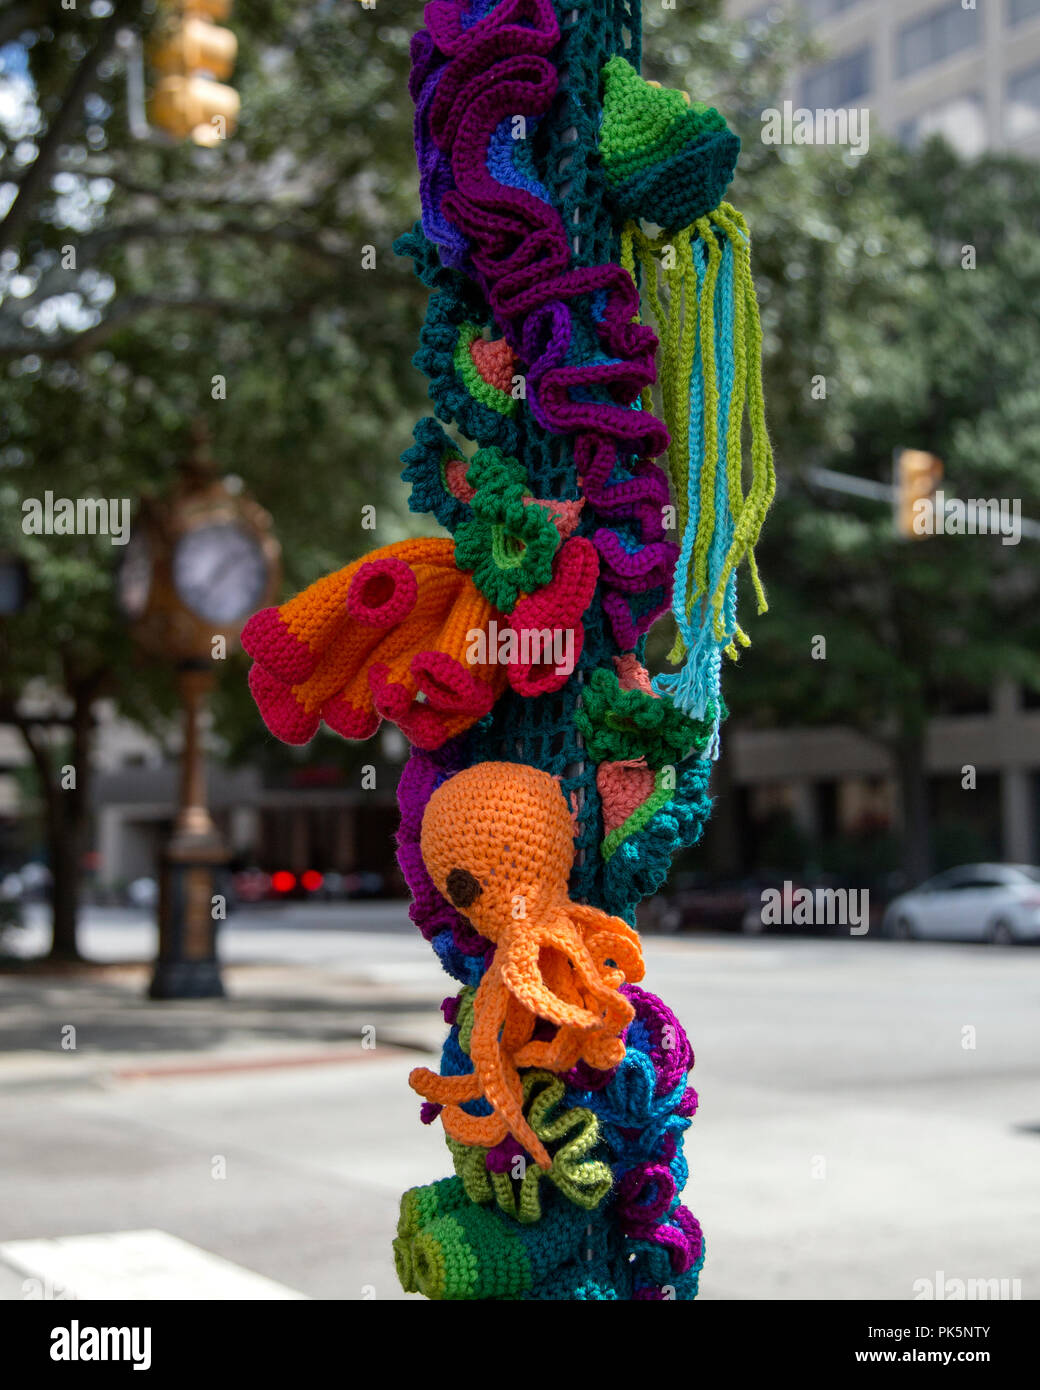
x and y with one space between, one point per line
550 779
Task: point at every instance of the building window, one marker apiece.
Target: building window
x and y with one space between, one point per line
1022 111
936 36
820 10
840 82
961 121
1020 10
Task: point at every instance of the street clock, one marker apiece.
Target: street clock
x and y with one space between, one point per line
198 563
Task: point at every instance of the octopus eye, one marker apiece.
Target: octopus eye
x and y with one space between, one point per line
462 887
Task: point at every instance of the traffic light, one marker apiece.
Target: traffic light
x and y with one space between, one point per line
917 475
193 54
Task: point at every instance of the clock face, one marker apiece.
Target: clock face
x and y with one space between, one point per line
219 572
134 581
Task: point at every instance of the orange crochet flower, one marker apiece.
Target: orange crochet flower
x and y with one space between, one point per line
405 635
497 840
385 637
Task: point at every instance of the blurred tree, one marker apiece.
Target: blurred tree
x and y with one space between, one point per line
898 298
143 284
878 335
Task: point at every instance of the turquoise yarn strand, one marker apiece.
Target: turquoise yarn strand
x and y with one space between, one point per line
696 686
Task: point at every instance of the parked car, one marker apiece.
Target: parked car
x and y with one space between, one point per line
976 902
696 900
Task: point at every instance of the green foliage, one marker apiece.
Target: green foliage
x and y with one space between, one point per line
916 350
246 263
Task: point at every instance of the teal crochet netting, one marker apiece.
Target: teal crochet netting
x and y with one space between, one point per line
542 732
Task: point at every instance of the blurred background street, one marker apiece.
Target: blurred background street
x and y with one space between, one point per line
205 339
846 1145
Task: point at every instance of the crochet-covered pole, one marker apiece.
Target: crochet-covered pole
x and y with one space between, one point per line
549 782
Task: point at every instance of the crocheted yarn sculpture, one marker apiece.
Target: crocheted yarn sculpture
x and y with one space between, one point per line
550 780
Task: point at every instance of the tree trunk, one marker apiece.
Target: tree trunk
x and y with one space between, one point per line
71 845
65 854
908 751
67 820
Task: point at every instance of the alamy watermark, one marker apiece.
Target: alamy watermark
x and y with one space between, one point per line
951 1290
81 516
821 907
973 516
531 646
800 125
81 1342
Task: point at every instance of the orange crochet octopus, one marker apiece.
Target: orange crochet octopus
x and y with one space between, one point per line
498 841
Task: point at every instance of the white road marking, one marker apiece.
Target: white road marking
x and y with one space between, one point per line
119 1265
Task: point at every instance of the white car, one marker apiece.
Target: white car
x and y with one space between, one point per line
977 902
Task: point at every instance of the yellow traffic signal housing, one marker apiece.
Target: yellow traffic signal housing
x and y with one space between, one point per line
209 9
192 53
195 45
194 107
917 475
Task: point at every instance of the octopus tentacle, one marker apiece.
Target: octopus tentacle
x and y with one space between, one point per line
502 1086
445 1090
525 979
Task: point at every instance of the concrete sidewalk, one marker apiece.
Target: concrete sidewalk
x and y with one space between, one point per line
97 1024
849 1142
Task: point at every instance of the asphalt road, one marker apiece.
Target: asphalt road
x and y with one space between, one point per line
869 1110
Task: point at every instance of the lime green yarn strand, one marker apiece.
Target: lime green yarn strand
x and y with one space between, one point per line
677 363
753 507
738 395
629 233
681 298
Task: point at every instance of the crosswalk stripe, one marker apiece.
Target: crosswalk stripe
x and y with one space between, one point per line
120 1265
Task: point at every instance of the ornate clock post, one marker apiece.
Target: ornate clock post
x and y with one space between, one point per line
199 562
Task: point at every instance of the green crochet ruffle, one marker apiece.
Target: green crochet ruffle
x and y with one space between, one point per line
508 546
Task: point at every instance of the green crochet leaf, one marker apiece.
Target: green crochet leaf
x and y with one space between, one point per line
618 725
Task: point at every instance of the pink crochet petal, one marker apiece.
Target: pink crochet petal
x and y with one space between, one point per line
382 593
563 601
279 708
267 639
419 723
347 720
542 678
450 686
557 608
424 727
